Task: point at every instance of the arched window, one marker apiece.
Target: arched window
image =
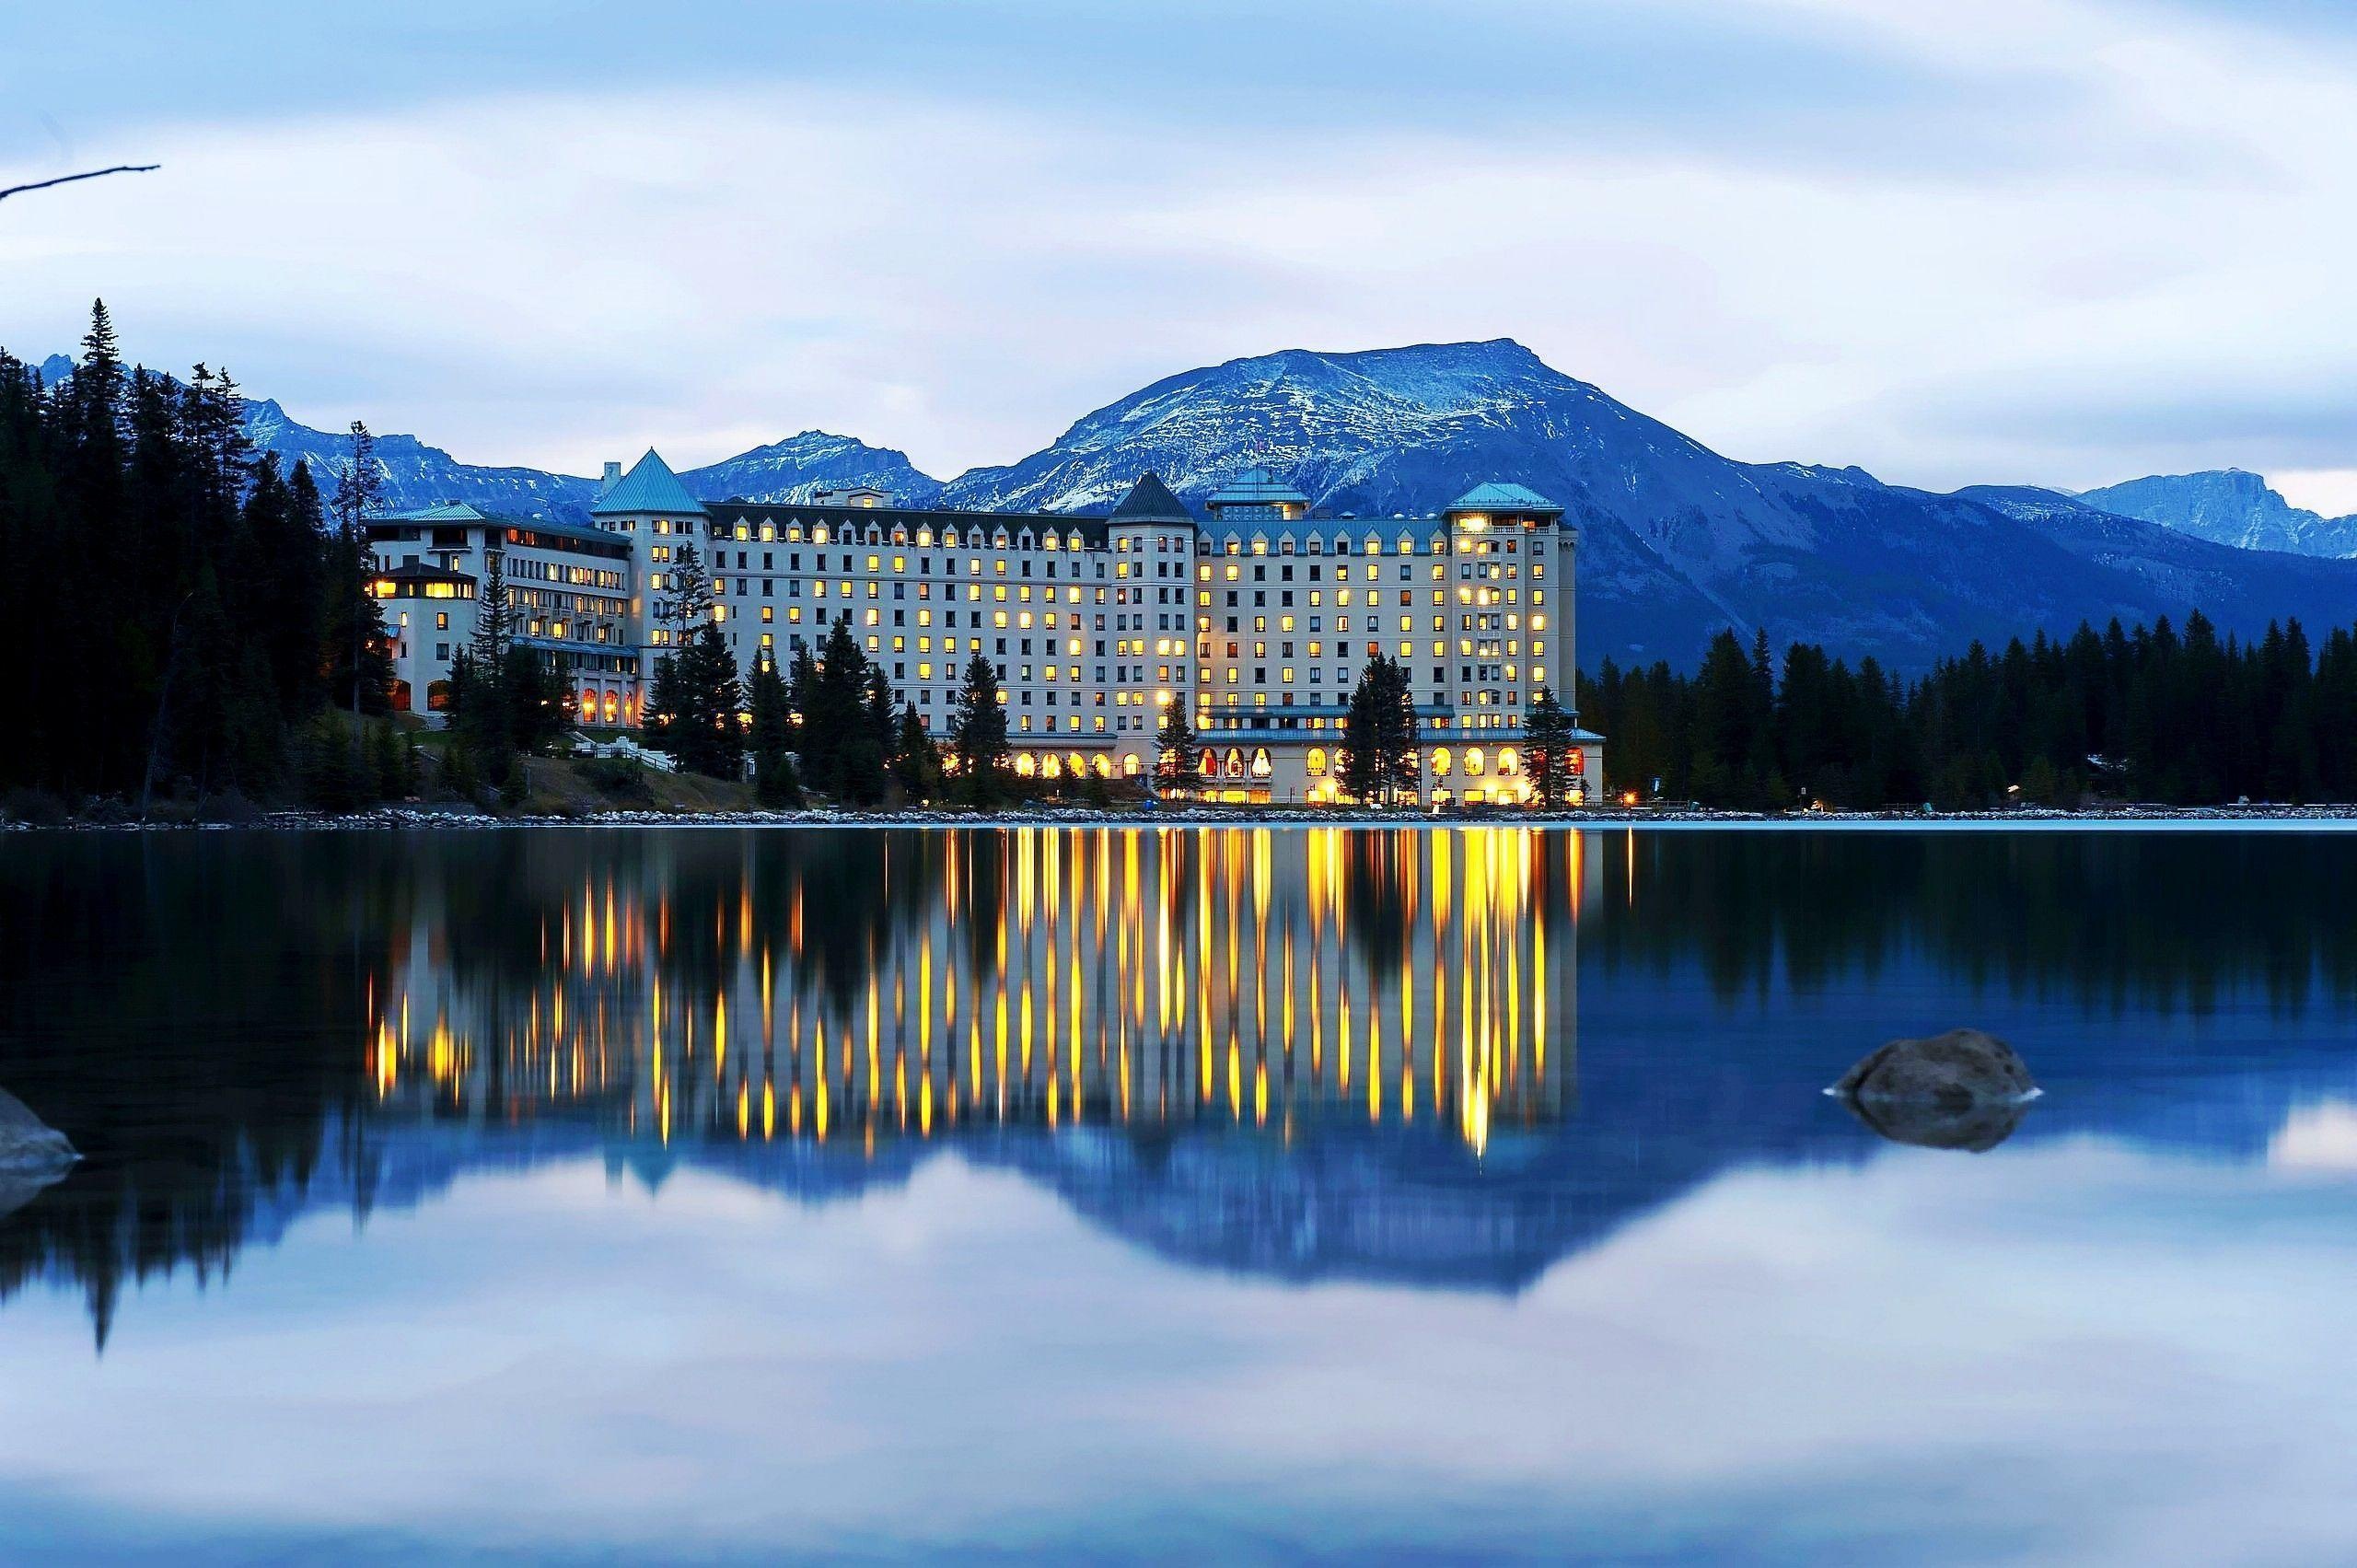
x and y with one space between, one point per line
1508 759
1130 768
1053 765
1317 756
1235 763
1473 761
1440 761
1260 765
1026 764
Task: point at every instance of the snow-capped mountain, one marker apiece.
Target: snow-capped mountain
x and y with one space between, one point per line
793 468
2228 506
418 475
1677 541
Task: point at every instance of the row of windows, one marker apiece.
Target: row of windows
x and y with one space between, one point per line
1118 542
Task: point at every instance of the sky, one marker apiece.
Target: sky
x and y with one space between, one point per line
2047 241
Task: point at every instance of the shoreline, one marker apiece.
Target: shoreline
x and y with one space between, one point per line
2309 818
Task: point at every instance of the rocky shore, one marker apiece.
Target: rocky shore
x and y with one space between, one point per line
414 816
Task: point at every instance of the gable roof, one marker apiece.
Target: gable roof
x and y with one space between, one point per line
650 486
1150 501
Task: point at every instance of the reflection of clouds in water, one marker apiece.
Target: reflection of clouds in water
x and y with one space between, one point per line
2069 1352
2316 1137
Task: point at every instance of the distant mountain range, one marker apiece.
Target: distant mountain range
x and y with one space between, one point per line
1677 541
2229 506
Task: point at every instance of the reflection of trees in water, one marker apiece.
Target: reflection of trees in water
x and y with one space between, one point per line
177 1062
198 1012
2112 921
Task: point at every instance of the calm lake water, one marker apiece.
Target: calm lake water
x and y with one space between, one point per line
707 1195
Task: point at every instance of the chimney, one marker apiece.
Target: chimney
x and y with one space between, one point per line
613 477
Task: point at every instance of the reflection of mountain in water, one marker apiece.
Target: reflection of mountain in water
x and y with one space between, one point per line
1319 1054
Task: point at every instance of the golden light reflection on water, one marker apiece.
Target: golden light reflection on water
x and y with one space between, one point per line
907 985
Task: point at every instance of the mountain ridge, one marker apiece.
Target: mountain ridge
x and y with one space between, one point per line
2228 506
1679 541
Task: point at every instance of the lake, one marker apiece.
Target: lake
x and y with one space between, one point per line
717 1195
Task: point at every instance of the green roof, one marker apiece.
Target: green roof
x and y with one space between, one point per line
1150 501
447 512
650 486
1257 487
1494 496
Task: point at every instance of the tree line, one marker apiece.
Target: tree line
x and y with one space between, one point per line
185 621
191 624
2158 715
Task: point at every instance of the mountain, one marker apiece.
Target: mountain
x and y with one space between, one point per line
418 475
793 468
1677 541
2228 506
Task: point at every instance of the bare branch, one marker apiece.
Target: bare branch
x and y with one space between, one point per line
69 179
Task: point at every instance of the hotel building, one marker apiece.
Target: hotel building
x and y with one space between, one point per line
1260 616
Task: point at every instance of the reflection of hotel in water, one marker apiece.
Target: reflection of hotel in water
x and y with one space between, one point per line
871 986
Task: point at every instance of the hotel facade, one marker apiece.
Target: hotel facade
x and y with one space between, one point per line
1257 615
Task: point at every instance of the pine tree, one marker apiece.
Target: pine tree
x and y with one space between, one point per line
1379 764
916 761
369 677
979 736
1177 756
1547 734
534 698
834 711
482 708
770 738
707 736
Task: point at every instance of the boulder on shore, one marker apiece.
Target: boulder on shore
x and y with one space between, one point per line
28 1144
1958 1068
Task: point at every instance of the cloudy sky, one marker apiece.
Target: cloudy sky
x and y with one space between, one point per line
2057 241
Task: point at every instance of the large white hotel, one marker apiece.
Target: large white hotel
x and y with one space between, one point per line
1259 615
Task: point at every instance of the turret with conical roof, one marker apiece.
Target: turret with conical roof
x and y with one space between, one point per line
649 487
1150 501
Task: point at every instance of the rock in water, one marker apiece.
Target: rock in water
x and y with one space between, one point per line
1960 1068
28 1144
1960 1091
1976 1126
